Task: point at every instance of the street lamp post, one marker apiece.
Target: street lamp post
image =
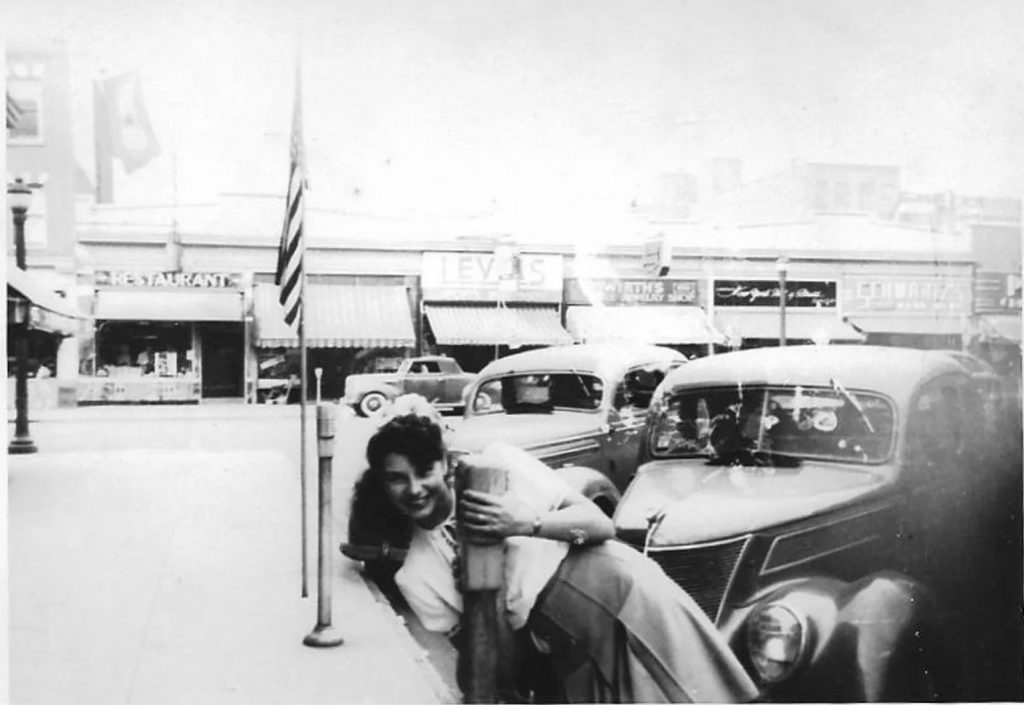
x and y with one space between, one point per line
780 265
19 196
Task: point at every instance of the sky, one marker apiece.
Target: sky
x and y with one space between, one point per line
547 109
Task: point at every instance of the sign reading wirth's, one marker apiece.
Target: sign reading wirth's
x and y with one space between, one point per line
172 280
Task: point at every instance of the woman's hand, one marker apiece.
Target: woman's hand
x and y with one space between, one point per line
488 518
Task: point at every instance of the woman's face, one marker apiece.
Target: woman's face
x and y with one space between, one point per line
422 495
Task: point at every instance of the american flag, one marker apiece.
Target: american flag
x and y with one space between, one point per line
13 112
290 251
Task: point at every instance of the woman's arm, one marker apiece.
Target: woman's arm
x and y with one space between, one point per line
576 520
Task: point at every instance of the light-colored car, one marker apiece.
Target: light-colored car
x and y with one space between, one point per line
437 378
847 515
579 408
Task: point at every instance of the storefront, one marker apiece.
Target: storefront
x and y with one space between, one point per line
47 321
166 338
928 311
748 312
647 310
345 323
476 313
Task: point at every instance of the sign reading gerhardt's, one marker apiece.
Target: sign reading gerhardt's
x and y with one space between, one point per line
172 280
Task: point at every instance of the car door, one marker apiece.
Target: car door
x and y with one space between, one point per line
424 378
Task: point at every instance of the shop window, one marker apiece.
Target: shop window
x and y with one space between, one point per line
867 196
128 349
841 195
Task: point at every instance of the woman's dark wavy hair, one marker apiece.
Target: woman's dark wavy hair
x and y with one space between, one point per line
374 519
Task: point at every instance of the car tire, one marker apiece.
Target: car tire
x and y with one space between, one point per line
372 405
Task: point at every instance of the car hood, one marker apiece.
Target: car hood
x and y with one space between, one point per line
539 433
700 502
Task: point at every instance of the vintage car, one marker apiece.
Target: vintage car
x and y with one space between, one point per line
579 408
438 378
847 515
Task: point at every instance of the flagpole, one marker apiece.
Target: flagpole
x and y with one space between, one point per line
303 395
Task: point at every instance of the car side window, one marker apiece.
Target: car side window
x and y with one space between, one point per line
637 387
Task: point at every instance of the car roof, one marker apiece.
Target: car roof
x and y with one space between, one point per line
895 372
603 359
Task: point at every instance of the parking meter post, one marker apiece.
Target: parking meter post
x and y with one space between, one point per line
483 569
324 634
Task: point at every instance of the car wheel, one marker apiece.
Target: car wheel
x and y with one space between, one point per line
373 404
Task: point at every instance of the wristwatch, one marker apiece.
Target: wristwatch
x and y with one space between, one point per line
535 531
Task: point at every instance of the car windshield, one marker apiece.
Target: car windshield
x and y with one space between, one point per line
756 425
537 393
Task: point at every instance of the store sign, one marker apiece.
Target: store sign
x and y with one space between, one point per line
632 291
765 292
908 294
475 276
172 280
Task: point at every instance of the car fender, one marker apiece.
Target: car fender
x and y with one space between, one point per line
390 391
877 638
593 485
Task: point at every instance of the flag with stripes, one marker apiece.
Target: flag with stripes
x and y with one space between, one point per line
290 252
13 112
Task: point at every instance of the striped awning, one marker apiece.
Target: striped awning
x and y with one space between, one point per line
492 324
657 325
337 316
819 326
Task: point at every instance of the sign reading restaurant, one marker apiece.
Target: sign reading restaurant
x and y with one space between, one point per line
474 276
173 280
765 292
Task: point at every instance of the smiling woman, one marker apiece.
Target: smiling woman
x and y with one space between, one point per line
610 623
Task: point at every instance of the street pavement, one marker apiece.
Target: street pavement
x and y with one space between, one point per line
154 557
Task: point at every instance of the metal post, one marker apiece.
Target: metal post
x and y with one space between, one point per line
482 578
22 442
781 265
319 372
323 633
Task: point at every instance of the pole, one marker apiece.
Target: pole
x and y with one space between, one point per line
302 431
323 633
782 305
319 372
22 443
482 577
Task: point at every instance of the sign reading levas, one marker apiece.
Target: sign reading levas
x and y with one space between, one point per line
765 292
174 280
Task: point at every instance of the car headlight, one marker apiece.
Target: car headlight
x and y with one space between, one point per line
776 640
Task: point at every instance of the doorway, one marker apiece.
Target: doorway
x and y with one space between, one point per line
223 351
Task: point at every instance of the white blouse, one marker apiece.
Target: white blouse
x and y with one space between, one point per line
426 579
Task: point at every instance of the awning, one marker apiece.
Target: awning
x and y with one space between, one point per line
818 326
657 325
909 325
496 325
173 305
337 316
48 311
1004 327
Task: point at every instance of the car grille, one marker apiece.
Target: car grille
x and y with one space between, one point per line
703 571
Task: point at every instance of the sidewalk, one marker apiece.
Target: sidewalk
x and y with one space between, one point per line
173 576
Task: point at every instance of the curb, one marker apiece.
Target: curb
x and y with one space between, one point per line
440 688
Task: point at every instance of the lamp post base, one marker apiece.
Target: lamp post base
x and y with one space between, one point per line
323 636
22 446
